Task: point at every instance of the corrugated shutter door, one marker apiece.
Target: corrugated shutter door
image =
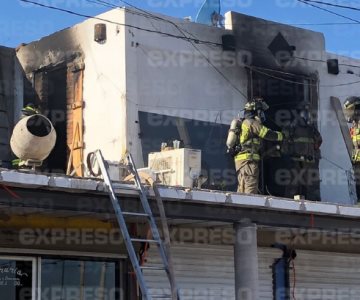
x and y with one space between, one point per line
326 275
202 272
207 272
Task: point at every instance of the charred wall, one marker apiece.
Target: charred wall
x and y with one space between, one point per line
7 98
277 46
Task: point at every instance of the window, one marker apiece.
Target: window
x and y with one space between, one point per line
209 137
79 280
17 278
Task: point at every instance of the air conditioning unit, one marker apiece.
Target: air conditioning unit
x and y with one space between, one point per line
177 167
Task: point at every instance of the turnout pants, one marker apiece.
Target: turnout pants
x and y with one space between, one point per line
248 176
356 168
304 180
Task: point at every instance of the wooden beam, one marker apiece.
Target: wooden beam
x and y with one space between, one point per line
336 105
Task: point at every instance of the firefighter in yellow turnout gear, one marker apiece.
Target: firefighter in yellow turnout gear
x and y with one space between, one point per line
29 110
352 113
253 132
303 149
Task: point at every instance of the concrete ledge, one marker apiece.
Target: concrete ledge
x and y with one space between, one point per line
323 208
26 179
284 204
248 200
70 184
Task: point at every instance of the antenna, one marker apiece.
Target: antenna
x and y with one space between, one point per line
209 13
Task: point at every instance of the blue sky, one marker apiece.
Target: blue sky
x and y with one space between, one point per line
22 23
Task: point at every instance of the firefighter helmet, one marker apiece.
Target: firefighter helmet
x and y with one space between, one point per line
352 108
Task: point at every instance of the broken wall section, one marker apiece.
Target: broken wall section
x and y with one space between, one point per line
79 83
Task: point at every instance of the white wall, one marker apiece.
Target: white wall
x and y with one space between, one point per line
104 80
169 76
104 88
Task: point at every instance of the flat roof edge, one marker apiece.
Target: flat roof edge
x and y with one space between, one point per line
68 184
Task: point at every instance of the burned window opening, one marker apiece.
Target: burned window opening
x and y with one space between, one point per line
57 91
283 93
49 86
210 138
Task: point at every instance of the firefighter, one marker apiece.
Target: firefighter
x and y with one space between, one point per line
29 110
352 113
251 134
303 149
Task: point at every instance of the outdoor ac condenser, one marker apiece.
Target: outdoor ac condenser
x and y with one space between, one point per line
177 167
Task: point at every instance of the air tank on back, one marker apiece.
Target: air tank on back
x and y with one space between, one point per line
232 138
33 138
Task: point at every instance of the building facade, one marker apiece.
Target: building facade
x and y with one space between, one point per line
135 81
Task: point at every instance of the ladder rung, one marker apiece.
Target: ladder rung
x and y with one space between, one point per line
144 241
128 213
152 267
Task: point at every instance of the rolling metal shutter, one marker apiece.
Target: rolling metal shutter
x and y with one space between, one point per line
326 275
206 272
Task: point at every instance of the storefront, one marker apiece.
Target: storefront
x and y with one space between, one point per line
60 278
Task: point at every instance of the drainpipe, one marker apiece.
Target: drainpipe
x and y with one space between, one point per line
246 261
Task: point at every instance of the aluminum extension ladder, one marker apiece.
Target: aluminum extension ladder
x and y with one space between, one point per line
156 239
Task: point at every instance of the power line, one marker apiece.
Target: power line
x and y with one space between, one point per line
184 37
256 69
323 24
324 61
146 13
149 15
121 24
329 11
334 5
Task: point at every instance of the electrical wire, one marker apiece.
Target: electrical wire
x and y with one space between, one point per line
174 24
184 37
333 163
324 61
150 15
333 5
120 24
256 69
194 46
329 11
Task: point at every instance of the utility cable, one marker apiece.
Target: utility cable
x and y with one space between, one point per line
117 23
329 11
194 46
334 164
334 5
190 40
256 69
184 37
324 61
149 15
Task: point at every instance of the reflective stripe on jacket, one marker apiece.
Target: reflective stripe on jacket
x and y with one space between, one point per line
304 143
355 136
252 134
29 111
